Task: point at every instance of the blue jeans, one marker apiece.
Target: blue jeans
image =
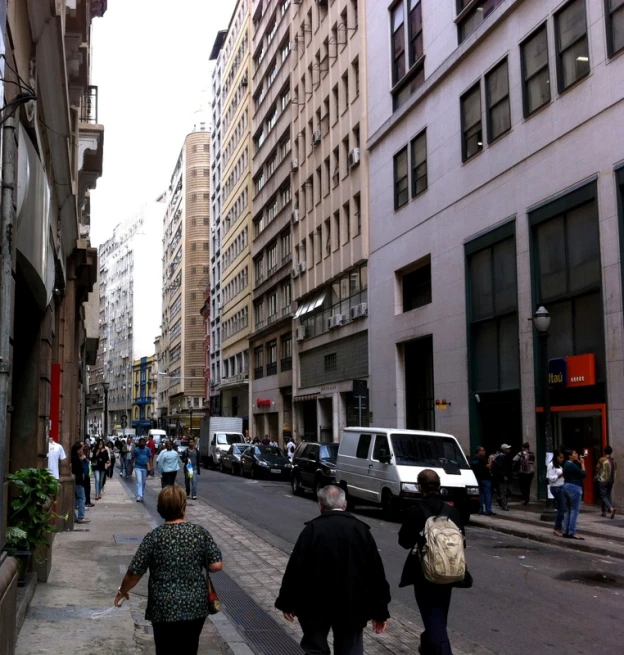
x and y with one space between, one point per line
80 501
99 479
190 483
557 493
123 465
485 497
605 495
141 478
572 494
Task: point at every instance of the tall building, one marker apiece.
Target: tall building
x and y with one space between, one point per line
497 188
129 307
330 217
185 275
144 391
271 337
231 170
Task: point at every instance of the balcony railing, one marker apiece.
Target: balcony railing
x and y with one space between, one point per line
286 364
271 369
258 372
89 106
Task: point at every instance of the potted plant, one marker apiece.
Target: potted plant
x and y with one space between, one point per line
31 512
17 546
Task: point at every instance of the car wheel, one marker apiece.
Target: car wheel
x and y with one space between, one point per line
295 483
318 485
233 469
387 504
221 467
253 473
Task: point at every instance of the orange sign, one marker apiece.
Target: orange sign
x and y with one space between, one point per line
581 370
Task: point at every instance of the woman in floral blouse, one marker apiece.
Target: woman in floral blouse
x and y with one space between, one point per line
176 554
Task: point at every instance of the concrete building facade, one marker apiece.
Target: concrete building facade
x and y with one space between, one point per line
143 394
271 331
496 188
185 275
329 216
231 169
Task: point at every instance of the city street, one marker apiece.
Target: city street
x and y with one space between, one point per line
518 583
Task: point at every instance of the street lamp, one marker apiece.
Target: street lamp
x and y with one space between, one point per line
541 320
105 386
189 402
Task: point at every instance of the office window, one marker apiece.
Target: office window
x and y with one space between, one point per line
286 363
477 14
398 43
418 148
271 348
337 230
416 287
615 25
535 73
345 90
401 190
572 44
330 362
258 362
357 213
472 137
347 221
407 50
356 76
497 93
272 258
415 31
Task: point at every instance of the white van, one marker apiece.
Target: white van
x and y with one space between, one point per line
220 443
157 435
380 466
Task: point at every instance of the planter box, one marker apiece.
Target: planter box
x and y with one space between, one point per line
42 562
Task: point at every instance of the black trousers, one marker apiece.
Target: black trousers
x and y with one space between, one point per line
87 488
168 479
524 482
347 639
433 602
178 637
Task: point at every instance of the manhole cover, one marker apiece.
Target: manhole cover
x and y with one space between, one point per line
592 578
128 538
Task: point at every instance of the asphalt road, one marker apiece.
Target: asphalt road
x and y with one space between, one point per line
527 598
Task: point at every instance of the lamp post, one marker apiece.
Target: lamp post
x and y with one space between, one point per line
190 408
541 320
105 386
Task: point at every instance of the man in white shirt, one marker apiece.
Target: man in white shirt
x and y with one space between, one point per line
56 454
290 448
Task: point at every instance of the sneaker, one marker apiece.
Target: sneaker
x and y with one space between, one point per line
139 499
194 497
490 513
84 521
89 505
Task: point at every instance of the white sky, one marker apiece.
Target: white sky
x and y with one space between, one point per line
150 62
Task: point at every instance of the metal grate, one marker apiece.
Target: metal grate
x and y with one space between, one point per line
262 632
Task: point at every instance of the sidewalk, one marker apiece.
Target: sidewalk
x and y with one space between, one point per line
603 536
87 567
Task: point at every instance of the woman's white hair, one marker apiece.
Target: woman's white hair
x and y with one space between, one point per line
332 497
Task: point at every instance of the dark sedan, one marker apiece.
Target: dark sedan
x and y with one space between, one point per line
230 461
313 466
265 462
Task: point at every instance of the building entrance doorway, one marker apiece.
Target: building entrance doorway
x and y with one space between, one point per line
310 422
419 401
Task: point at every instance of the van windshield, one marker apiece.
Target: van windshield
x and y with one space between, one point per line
228 438
429 451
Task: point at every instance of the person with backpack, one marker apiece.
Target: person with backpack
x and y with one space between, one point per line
502 467
524 463
434 535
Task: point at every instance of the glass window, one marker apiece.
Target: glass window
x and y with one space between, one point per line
415 31
398 43
421 450
535 73
401 190
497 92
572 44
472 141
418 154
473 18
416 288
552 259
615 25
381 443
363 446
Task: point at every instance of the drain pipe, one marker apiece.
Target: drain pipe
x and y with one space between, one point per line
7 241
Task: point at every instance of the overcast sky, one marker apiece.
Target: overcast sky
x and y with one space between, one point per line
150 62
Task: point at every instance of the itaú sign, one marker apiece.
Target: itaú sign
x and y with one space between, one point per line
261 402
573 371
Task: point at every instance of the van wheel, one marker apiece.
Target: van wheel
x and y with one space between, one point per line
221 467
387 505
318 485
295 483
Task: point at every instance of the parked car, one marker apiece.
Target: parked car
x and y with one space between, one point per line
231 460
313 466
265 461
380 466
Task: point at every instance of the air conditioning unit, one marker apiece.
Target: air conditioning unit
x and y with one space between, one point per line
295 216
364 309
330 323
354 312
295 272
302 267
316 137
294 164
301 333
336 321
354 157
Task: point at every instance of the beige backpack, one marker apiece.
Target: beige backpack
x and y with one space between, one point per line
442 555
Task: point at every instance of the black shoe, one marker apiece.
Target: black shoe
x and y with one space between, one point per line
490 513
526 502
505 509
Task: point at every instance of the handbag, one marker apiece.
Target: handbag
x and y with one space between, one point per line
214 604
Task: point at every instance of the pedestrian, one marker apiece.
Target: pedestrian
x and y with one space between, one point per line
113 458
605 475
177 596
573 476
125 457
141 457
151 444
266 441
524 463
99 461
481 467
256 441
56 454
433 600
554 473
191 468
338 547
168 464
86 450
501 475
290 448
79 464
274 443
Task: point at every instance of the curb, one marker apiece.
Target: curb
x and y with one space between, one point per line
569 544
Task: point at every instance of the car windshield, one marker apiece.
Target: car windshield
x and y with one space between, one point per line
227 438
239 449
329 451
272 451
424 450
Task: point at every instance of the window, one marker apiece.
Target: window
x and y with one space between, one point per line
285 245
414 74
345 90
472 137
330 362
535 73
271 349
418 154
327 237
416 287
356 76
398 43
572 44
477 11
258 362
272 258
497 93
415 31
357 213
381 444
259 269
401 190
363 446
286 363
206 245
615 26
346 210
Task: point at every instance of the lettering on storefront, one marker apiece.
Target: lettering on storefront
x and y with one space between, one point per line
573 371
329 387
262 402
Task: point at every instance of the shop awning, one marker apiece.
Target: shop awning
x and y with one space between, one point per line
304 397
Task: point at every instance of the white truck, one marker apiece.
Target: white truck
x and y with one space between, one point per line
217 434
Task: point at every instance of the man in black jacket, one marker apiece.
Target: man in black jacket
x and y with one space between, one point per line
335 580
433 600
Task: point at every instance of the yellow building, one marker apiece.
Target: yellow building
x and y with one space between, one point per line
143 393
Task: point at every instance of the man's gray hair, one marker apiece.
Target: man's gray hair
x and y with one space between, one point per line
331 497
